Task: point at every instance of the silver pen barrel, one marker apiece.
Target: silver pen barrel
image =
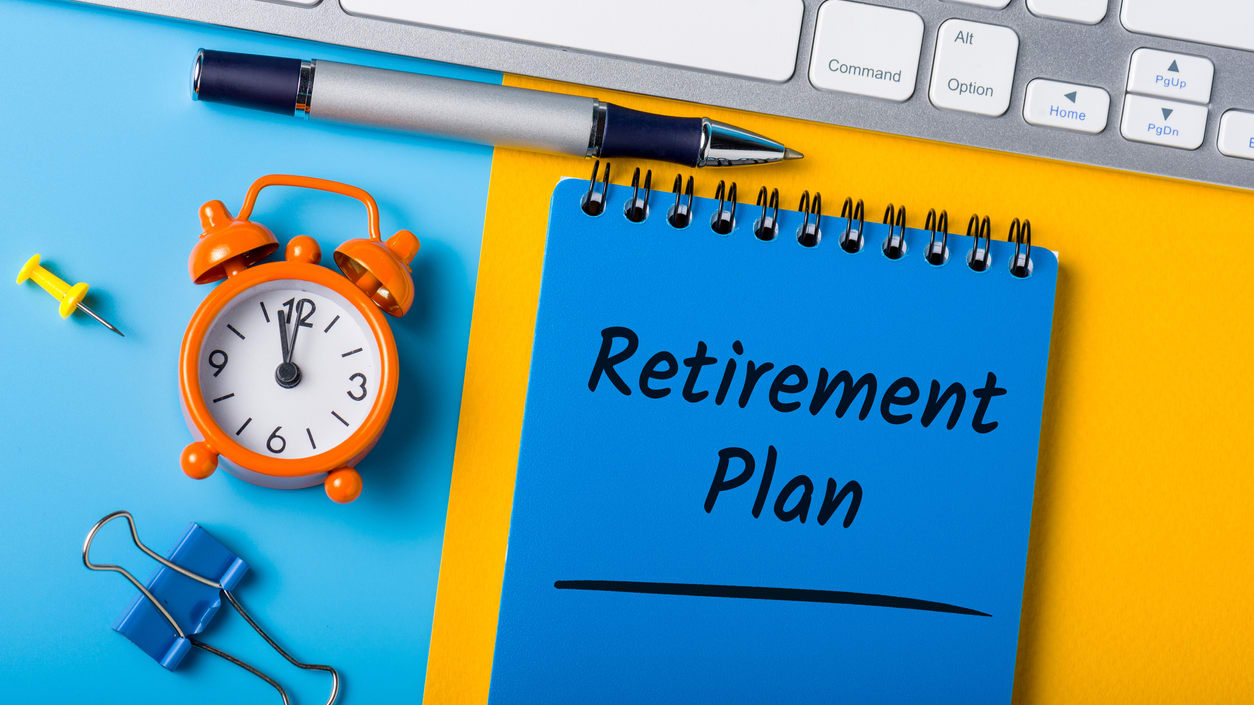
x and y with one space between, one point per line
465 110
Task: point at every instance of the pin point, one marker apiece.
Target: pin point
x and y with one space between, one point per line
71 297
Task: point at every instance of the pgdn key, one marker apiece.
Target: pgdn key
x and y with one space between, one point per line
1163 122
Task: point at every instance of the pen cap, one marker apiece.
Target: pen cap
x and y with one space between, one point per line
268 83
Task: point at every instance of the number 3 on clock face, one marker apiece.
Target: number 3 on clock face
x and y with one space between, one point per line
289 369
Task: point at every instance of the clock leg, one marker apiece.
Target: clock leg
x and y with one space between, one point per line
343 485
198 460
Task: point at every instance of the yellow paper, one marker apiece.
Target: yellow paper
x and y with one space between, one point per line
1140 581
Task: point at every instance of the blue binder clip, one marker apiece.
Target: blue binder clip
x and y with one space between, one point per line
184 596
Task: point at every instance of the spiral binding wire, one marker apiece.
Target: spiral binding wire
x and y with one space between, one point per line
724 220
1021 235
937 254
895 243
766 227
851 240
681 213
637 207
979 258
808 234
766 224
593 202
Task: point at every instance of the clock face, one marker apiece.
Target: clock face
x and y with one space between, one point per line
289 369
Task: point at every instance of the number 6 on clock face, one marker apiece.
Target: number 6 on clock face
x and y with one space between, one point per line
289 368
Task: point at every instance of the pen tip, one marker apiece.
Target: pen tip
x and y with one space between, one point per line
792 154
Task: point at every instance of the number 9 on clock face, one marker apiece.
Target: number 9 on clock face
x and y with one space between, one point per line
289 369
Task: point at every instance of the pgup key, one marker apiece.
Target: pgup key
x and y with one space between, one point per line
1170 75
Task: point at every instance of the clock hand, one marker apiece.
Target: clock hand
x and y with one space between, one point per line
296 326
287 374
285 346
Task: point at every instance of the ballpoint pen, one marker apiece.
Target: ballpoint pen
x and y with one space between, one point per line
472 111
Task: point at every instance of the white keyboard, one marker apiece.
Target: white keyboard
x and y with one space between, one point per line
639 30
1158 86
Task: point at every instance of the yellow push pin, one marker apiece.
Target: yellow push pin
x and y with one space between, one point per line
71 297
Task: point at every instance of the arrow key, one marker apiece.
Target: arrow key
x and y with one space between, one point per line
1070 106
1163 122
1171 75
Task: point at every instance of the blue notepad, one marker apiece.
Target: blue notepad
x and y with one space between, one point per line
755 471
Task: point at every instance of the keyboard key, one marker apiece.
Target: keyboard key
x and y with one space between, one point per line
1171 75
1236 134
750 38
995 4
1082 11
1225 23
974 67
1164 122
1067 105
864 49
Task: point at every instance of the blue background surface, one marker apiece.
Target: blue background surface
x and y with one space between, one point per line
104 160
612 487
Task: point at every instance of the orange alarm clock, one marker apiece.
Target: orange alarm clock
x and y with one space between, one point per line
288 370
